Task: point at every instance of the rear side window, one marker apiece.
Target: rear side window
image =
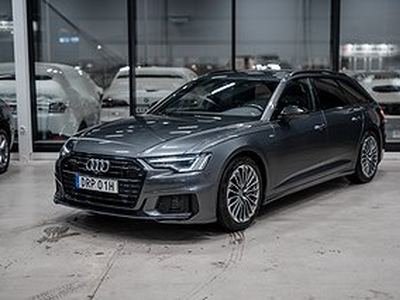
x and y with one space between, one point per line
329 94
352 95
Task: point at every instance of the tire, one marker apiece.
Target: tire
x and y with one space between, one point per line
367 160
4 151
240 194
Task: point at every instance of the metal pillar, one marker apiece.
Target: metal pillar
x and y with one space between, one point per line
132 41
233 34
22 74
335 35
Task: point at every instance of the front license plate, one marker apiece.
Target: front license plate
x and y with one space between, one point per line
96 184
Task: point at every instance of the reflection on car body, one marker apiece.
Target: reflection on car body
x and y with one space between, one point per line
67 100
152 84
223 145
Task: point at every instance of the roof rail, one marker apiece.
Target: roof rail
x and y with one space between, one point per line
247 72
316 71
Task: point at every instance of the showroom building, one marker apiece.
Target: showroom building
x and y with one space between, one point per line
267 166
100 41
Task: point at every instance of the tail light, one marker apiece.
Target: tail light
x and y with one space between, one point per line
382 114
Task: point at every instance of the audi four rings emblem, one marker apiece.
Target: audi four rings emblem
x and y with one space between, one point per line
98 165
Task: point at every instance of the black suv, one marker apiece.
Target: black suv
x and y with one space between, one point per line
6 135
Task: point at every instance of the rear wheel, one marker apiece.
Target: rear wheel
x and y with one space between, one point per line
240 194
4 151
367 161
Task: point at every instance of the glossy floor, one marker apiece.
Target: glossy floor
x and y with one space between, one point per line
333 241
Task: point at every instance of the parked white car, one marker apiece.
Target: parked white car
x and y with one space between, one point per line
384 87
152 85
67 100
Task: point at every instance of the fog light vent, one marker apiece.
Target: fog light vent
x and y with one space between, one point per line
176 204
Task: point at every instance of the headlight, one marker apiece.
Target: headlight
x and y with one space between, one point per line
67 147
184 163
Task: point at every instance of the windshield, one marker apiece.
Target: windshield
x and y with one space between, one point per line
221 97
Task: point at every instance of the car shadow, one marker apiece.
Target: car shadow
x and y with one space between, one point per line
319 193
149 231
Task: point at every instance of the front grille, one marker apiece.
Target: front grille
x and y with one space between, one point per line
128 172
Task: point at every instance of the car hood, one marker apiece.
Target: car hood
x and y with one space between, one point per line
152 135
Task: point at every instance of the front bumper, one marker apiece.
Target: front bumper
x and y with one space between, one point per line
163 196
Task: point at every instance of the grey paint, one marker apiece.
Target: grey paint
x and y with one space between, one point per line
293 153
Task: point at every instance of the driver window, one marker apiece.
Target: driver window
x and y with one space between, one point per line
295 93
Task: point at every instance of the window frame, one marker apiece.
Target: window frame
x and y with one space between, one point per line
309 90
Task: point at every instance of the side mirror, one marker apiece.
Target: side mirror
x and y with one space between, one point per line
291 111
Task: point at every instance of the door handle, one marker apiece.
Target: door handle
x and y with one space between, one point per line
319 127
355 119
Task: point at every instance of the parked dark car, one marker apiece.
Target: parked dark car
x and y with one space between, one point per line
223 145
7 128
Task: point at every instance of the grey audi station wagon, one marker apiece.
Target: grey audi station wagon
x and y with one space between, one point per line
222 145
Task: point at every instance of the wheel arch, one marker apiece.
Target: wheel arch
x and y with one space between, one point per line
256 157
224 215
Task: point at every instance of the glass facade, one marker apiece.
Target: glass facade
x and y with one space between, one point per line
6 32
177 40
79 47
7 80
283 34
370 51
184 33
83 51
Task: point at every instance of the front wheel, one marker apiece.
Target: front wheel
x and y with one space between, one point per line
4 151
367 161
240 194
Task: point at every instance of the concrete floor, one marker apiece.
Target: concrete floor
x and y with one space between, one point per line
334 241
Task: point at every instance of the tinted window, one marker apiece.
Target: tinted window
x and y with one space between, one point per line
296 93
329 93
352 95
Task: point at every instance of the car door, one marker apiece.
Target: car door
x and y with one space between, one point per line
300 140
344 119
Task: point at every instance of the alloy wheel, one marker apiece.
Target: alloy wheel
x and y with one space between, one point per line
243 193
4 151
369 156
